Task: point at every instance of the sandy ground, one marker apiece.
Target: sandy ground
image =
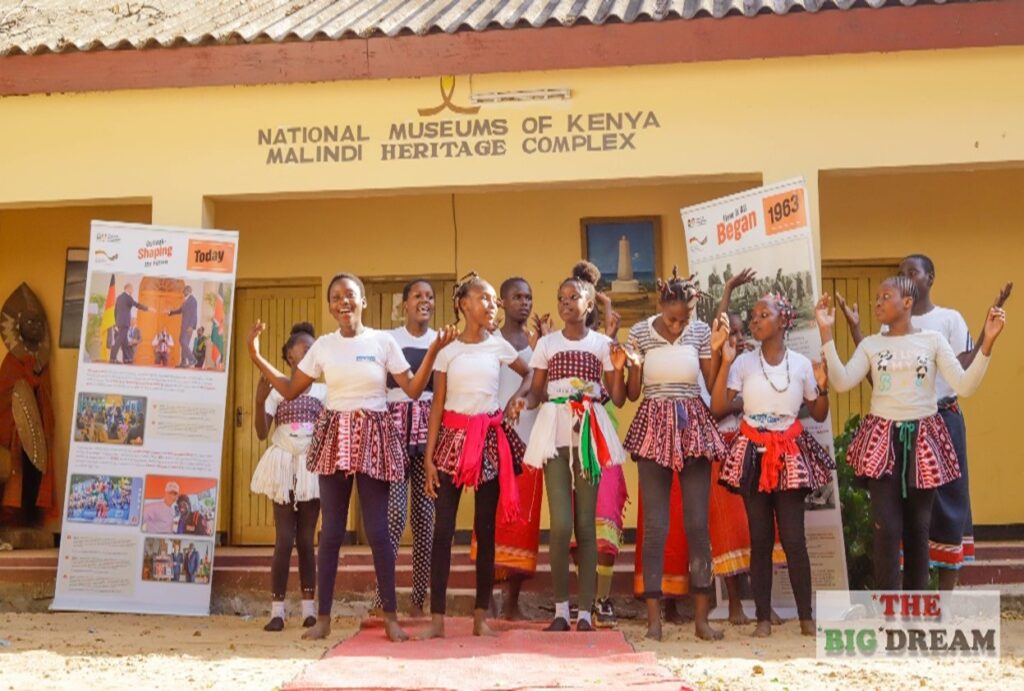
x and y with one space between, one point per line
44 651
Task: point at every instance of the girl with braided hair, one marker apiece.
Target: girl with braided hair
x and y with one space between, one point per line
672 434
902 449
773 463
472 443
573 438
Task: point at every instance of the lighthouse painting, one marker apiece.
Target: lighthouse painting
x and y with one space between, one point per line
626 252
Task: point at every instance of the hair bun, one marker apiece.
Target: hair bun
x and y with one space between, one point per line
303 328
586 271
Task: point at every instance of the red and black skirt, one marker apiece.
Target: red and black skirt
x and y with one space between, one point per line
873 452
671 431
412 418
449 450
357 441
797 461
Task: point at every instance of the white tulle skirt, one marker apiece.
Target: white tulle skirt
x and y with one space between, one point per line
551 417
282 469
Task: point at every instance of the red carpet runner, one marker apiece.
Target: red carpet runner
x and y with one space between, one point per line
520 657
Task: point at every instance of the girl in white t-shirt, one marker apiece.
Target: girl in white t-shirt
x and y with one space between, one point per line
773 462
573 436
282 476
355 439
411 418
902 448
673 433
471 444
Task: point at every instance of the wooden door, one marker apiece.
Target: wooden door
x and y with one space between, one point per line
857 281
279 304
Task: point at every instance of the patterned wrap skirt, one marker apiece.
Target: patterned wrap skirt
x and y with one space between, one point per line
449 450
412 418
872 452
811 467
669 431
357 441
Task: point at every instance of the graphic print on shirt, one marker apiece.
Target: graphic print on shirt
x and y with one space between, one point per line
922 370
883 360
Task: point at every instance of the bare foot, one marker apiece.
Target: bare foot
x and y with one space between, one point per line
322 628
762 630
776 619
672 613
807 627
435 630
480 627
416 612
737 615
706 632
392 630
654 630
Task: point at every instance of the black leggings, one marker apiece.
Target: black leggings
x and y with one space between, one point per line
335 492
484 508
900 520
294 525
764 510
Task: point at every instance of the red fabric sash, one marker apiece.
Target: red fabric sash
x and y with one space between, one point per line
471 459
776 446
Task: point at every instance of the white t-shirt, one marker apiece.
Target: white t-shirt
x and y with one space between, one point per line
508 384
474 374
415 349
903 371
672 370
355 368
953 328
729 423
566 362
763 405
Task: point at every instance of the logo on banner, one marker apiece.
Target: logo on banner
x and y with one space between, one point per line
218 257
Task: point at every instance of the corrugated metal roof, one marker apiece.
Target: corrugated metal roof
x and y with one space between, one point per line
39 26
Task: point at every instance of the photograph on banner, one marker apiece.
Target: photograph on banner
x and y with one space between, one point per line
157 321
105 500
179 505
110 419
177 560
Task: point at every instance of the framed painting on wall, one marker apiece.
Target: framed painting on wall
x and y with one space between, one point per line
627 251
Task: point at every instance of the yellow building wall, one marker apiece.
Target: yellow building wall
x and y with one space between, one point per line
969 223
34 245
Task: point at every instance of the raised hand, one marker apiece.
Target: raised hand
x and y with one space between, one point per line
619 356
1004 294
729 349
994 324
432 482
825 313
719 332
851 312
254 336
445 335
742 278
542 326
820 374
